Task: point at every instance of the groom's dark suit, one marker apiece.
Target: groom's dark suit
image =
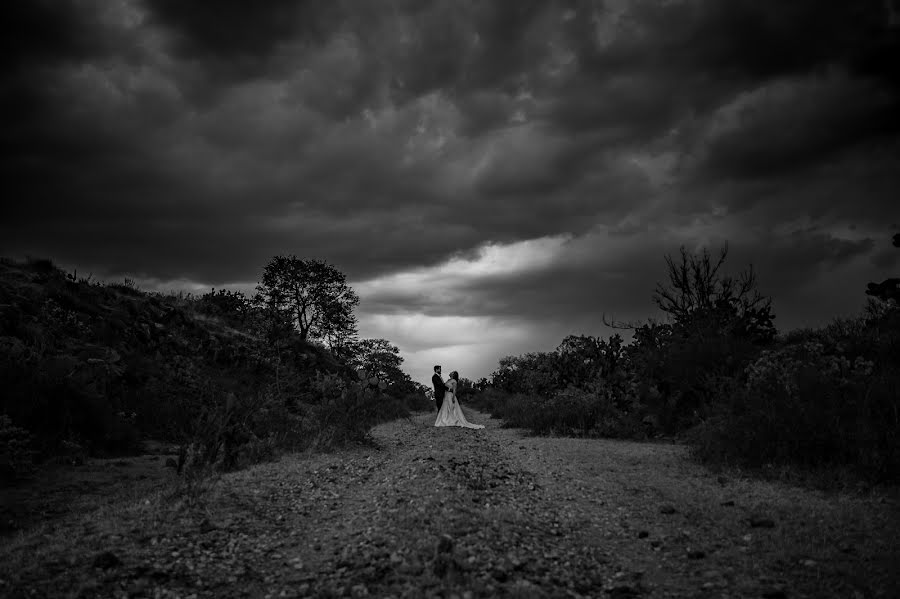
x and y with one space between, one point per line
439 389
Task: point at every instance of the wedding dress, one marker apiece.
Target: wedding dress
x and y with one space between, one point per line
451 413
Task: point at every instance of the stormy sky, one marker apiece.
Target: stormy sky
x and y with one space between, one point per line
491 175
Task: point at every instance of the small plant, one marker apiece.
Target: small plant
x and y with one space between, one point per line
217 434
128 287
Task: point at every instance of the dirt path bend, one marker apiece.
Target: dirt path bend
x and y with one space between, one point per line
470 513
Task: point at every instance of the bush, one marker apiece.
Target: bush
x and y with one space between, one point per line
499 404
803 405
690 367
601 411
16 452
348 410
223 433
416 402
569 412
233 307
63 398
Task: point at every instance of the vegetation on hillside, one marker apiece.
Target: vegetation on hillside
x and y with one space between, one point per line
96 369
717 373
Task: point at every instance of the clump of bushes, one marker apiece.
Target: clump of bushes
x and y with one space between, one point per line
573 412
819 398
16 452
810 404
230 432
718 375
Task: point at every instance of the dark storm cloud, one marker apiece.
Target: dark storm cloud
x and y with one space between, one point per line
227 29
51 31
749 40
698 56
852 187
789 125
195 140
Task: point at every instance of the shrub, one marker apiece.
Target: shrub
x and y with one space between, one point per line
802 405
232 432
417 402
16 452
62 398
601 411
520 410
127 287
348 410
689 366
233 307
499 404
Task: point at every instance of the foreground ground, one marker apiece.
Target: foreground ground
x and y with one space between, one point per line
466 513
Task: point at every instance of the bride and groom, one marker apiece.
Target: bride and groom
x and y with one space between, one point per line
449 411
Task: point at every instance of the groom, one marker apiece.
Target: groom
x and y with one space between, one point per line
439 387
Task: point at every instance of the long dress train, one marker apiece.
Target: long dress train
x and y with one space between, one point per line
451 413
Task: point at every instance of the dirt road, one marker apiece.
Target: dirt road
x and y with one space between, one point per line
470 513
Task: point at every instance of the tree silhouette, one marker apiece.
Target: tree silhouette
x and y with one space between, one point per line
379 357
699 294
314 295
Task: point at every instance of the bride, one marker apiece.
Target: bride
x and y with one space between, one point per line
451 413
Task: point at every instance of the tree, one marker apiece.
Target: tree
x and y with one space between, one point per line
378 357
699 296
718 323
531 373
381 359
583 358
314 295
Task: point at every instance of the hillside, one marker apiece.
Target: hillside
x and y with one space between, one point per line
90 369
